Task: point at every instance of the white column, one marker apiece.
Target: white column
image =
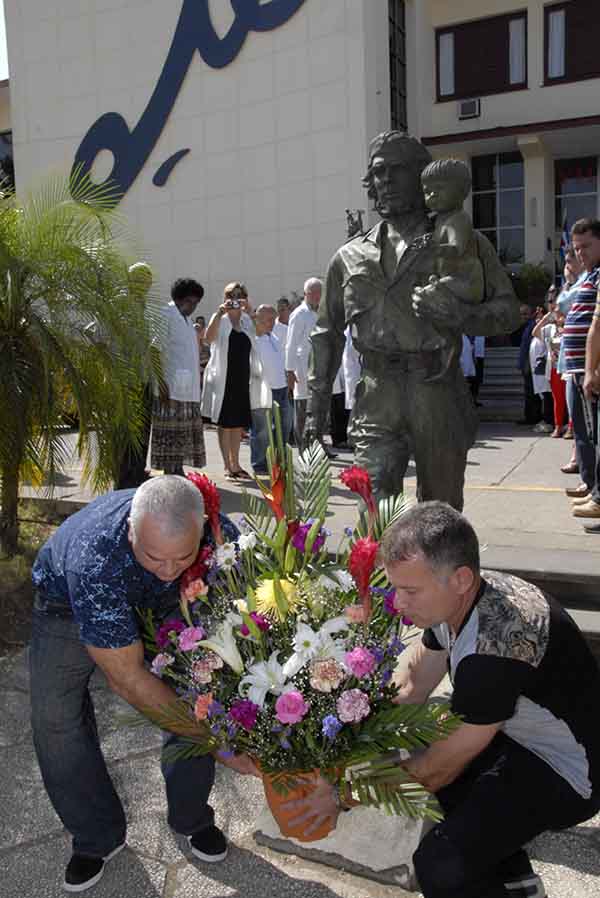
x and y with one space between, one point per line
539 199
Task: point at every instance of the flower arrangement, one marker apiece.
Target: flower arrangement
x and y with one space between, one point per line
286 651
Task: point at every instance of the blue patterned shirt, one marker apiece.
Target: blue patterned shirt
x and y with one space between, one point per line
87 570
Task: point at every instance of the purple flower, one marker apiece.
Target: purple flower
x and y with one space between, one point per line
349 531
389 602
396 647
331 726
244 712
215 709
163 634
299 538
261 622
386 677
377 653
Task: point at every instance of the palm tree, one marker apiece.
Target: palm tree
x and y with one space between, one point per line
63 281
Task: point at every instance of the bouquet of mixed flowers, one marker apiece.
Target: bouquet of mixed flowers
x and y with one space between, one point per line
286 651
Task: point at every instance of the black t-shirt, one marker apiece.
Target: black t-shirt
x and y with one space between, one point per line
520 658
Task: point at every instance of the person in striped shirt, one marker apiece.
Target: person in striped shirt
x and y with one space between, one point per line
585 236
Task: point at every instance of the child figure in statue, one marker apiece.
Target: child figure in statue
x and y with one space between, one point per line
446 185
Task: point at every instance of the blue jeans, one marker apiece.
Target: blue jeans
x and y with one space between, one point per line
68 749
585 449
260 432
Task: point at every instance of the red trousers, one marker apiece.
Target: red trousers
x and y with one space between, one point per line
559 398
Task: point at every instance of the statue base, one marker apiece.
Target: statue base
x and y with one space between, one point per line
365 843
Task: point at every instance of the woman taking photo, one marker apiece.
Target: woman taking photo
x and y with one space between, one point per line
233 382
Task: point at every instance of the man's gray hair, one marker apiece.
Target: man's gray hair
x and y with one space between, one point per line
435 532
311 284
265 307
170 499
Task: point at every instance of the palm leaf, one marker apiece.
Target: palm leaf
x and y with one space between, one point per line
312 479
389 510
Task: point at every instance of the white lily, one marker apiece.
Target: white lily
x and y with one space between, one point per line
310 644
263 677
224 645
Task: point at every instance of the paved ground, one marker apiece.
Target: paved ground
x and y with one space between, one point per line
515 499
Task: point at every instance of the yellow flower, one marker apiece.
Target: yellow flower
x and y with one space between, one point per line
266 597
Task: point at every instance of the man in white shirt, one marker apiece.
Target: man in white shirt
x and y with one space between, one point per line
302 322
280 329
271 352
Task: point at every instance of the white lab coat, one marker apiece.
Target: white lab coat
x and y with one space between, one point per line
179 351
301 324
215 373
352 369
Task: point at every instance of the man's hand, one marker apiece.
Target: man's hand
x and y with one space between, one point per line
319 807
437 304
292 380
242 764
591 385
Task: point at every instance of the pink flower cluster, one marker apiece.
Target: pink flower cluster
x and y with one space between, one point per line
159 662
291 707
202 670
190 637
353 706
360 662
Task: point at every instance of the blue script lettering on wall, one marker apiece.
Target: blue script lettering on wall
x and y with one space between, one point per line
194 31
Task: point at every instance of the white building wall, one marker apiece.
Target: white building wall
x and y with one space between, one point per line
278 137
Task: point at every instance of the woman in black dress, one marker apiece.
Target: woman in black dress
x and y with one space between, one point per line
231 329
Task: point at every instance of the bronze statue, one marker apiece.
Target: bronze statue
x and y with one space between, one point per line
395 287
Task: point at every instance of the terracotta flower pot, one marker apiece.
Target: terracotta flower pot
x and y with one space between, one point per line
276 799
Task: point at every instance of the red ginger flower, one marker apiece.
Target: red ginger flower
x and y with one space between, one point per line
212 502
358 481
361 565
276 496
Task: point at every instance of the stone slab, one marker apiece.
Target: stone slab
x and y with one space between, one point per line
365 843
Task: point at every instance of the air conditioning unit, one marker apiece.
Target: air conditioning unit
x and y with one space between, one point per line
469 109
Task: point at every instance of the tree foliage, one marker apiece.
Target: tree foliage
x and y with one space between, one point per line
74 337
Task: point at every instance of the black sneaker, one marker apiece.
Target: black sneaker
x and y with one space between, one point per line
209 845
84 872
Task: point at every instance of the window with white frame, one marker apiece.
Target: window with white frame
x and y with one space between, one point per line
486 56
499 203
571 39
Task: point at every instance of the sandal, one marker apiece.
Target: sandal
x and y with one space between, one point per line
231 475
240 474
571 468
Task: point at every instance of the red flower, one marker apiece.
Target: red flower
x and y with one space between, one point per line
361 565
358 481
212 502
276 496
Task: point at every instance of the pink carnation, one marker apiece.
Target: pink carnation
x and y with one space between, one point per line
291 707
202 670
192 590
166 630
361 662
190 637
325 676
353 706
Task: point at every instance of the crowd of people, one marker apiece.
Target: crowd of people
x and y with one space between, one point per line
559 355
230 373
